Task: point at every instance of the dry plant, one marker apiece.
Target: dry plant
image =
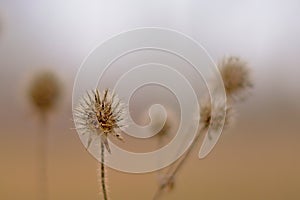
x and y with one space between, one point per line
44 92
163 134
236 78
100 116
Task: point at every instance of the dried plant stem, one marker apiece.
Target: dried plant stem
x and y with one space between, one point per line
159 145
187 153
172 172
102 173
42 159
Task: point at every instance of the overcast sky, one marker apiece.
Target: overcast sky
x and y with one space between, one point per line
60 34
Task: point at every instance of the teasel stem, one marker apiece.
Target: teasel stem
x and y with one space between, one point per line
42 158
102 173
172 172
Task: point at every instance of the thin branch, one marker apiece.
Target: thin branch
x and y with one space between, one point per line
42 158
103 175
170 176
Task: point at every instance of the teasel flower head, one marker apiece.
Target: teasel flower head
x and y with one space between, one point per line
236 77
99 116
44 91
212 114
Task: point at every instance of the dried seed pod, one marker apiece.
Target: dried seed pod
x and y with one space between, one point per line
235 75
99 115
44 91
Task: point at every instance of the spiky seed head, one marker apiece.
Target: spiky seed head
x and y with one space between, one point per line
235 75
44 91
212 114
99 115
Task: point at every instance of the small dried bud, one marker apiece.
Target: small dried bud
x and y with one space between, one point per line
99 116
167 182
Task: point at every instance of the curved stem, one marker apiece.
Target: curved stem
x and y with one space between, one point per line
174 170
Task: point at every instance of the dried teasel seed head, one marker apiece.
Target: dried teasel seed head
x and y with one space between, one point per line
44 91
99 116
235 75
212 114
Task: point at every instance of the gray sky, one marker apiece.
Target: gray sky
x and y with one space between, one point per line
60 34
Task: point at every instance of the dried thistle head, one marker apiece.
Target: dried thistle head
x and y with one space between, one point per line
214 119
44 91
235 75
99 115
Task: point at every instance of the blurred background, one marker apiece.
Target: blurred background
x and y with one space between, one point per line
257 158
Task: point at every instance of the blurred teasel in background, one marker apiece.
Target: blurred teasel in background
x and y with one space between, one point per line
237 81
236 77
44 94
